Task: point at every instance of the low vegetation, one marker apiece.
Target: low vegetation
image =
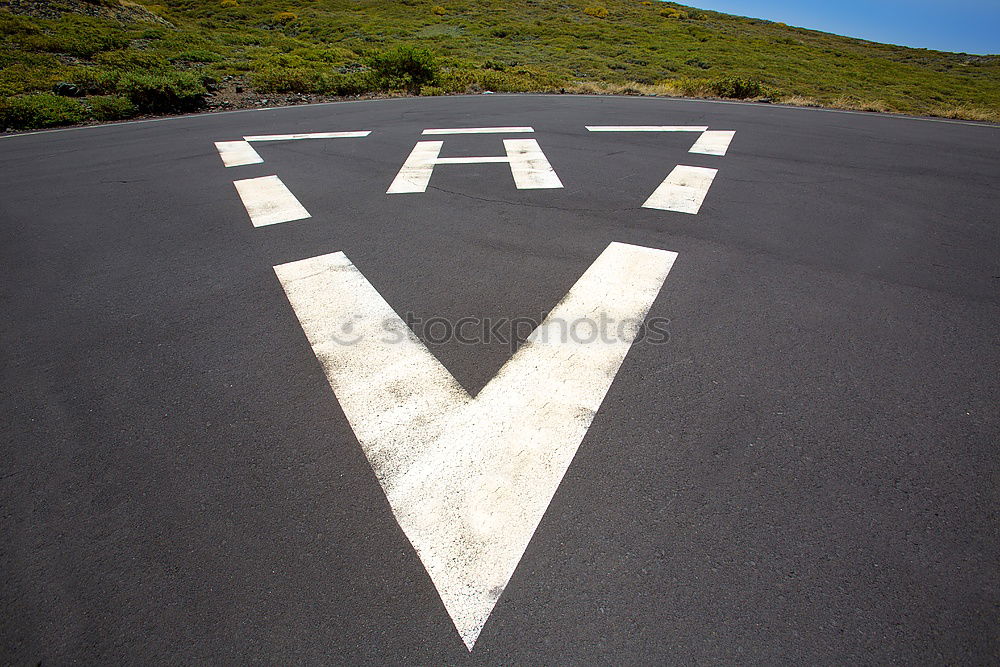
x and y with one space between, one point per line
69 61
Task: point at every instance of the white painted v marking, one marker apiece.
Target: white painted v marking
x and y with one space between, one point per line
468 479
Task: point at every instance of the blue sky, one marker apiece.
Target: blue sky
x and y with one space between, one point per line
972 26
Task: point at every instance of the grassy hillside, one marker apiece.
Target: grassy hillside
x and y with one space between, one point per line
68 61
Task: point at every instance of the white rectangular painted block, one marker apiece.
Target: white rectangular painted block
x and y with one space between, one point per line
415 174
683 190
269 202
713 142
237 153
647 128
308 135
530 167
478 130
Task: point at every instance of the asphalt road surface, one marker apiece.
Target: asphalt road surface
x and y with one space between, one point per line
802 468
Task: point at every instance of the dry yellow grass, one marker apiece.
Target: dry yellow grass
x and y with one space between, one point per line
967 113
629 88
799 101
852 104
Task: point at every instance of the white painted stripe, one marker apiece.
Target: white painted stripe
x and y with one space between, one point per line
528 165
713 142
415 174
269 202
683 190
468 479
309 135
471 160
478 130
647 128
237 153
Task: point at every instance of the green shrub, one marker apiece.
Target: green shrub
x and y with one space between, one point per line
153 33
40 110
241 38
15 24
111 107
350 84
10 57
596 12
131 60
431 91
279 61
97 80
405 67
196 56
22 78
478 80
289 80
689 87
154 93
81 36
329 54
737 87
315 79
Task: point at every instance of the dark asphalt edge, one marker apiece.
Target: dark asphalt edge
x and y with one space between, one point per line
931 119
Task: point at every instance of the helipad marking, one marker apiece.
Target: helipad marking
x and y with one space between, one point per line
478 130
528 165
237 153
309 135
713 142
468 479
683 190
269 202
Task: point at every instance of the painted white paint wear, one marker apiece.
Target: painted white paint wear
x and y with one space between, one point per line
309 135
683 190
646 128
478 130
713 142
468 479
269 202
237 153
528 165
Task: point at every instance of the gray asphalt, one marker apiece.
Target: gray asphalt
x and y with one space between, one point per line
806 471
